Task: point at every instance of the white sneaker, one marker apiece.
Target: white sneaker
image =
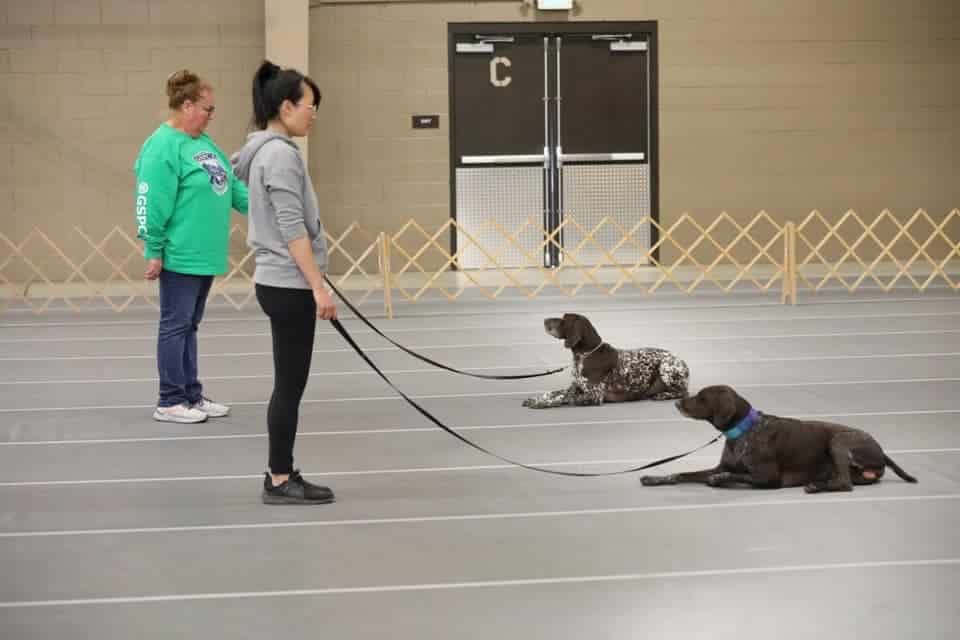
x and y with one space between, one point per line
211 408
179 413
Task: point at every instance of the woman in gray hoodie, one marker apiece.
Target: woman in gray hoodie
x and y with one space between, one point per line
290 250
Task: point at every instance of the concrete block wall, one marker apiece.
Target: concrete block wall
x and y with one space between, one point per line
778 105
84 85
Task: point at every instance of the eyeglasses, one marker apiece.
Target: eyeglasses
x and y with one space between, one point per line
209 109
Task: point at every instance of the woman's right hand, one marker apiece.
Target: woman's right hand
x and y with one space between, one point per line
154 267
326 309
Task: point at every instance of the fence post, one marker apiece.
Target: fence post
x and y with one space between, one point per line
385 272
789 264
794 276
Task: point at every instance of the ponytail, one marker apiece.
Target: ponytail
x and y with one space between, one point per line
271 86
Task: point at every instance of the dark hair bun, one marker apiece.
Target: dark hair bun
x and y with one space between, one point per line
184 85
180 80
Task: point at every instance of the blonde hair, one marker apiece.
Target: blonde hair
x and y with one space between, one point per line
185 85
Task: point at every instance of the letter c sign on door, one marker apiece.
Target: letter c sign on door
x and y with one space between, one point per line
495 79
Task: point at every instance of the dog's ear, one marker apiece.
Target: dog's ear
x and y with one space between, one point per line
572 329
589 338
579 332
724 404
728 407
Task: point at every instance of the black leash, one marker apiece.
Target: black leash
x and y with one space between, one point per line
429 416
416 355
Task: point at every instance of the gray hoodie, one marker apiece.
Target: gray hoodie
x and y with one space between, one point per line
283 207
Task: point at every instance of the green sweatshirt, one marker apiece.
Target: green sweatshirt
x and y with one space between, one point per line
185 191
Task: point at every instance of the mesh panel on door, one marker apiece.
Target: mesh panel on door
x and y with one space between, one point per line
619 193
509 195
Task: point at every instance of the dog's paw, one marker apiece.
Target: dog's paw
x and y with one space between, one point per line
811 488
536 403
655 481
716 480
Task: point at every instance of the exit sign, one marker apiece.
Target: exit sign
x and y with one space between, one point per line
426 122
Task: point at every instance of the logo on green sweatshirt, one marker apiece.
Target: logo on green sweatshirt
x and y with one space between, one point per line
142 190
218 175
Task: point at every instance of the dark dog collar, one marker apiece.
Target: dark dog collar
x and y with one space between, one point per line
743 426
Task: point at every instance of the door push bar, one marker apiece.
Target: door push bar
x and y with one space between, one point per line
522 158
600 157
562 157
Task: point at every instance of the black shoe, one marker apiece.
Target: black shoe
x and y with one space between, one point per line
295 490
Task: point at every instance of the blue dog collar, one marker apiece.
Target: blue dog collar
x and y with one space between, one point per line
743 426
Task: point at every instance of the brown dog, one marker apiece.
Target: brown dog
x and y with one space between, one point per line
603 373
769 452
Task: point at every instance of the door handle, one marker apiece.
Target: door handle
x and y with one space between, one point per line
601 157
520 158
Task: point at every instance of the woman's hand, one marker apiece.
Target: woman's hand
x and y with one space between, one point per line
326 309
154 267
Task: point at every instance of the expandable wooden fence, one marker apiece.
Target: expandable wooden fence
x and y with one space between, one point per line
686 254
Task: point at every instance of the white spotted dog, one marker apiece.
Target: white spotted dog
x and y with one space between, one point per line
602 373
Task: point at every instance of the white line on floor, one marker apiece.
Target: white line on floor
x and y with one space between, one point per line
358 330
527 367
691 304
373 472
409 312
480 584
325 374
254 403
763 298
504 345
447 396
803 500
410 430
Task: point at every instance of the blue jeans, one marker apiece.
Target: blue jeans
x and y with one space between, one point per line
182 300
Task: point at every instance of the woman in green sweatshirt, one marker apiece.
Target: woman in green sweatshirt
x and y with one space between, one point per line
185 192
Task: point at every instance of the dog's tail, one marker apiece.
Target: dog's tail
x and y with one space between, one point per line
896 469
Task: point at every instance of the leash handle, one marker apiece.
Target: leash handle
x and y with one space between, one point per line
440 365
429 416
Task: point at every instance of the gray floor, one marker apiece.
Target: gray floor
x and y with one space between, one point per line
116 526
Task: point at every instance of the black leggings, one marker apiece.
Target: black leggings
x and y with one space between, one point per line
293 322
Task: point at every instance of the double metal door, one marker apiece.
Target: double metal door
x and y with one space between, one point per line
548 127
